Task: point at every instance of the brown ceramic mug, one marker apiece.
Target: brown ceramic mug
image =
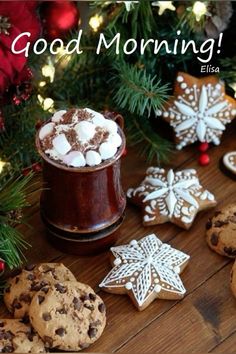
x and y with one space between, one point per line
83 200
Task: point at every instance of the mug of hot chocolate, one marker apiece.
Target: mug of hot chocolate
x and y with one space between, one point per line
82 200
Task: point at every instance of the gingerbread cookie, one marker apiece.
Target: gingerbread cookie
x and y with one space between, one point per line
233 279
70 316
229 161
221 231
171 196
20 289
198 110
16 337
146 270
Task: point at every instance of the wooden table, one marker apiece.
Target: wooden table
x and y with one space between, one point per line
205 320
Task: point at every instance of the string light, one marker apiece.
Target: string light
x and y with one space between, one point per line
2 164
62 58
42 83
48 70
163 6
46 103
199 10
95 22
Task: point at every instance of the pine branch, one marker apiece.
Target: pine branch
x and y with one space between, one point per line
13 198
139 92
153 146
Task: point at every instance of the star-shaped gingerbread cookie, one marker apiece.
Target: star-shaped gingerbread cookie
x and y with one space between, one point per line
171 196
146 270
198 110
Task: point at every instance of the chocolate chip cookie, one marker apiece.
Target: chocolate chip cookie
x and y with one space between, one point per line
16 337
21 288
69 316
221 231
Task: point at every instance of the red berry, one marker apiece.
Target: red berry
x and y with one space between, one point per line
37 167
203 147
204 160
2 266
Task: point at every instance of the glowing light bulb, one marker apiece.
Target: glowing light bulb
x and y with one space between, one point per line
95 22
42 83
46 103
199 10
62 58
48 70
2 164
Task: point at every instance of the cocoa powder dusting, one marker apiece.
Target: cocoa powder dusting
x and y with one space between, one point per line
67 117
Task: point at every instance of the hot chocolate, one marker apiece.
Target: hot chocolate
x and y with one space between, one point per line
80 137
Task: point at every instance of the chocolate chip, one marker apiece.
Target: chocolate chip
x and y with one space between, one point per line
59 287
102 308
25 319
214 239
25 298
220 223
217 213
92 297
96 323
230 251
208 224
48 341
8 349
47 316
30 267
16 304
77 303
1 324
31 336
45 290
35 286
8 335
2 333
43 283
41 299
83 345
60 332
84 297
49 269
31 276
62 311
89 307
17 280
92 332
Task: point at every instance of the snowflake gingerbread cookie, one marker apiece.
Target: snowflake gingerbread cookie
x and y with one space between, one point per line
171 196
199 110
146 270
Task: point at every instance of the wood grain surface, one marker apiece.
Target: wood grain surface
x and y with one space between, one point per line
204 321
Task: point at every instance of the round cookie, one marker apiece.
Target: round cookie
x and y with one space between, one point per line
233 279
16 337
221 231
70 316
21 288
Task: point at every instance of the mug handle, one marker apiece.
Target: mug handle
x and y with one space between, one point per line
118 118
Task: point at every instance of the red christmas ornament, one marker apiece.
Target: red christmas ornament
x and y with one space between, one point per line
59 17
203 147
2 266
204 160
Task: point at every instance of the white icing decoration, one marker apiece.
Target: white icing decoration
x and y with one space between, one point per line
117 261
149 263
229 160
174 195
199 113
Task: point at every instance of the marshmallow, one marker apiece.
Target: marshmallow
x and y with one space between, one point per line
53 154
85 130
61 144
46 130
115 139
93 158
107 150
75 159
97 119
58 116
111 126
